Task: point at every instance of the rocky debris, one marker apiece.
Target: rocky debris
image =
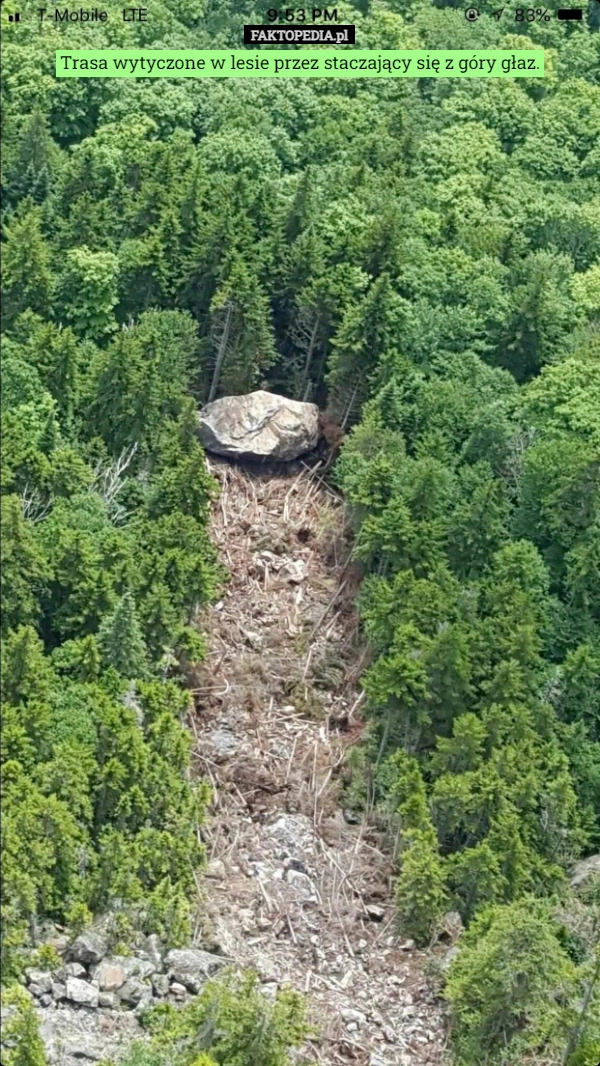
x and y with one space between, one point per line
72 1038
81 992
259 425
585 870
86 1011
89 947
295 891
192 967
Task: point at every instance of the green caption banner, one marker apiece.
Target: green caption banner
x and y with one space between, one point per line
325 63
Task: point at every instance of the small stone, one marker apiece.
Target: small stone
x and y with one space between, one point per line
269 989
224 743
354 1016
81 992
408 945
107 999
160 984
376 913
177 989
59 990
88 948
347 980
45 1000
41 979
362 944
216 870
302 886
75 969
36 991
352 1027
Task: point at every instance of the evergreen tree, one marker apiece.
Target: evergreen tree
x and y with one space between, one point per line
121 641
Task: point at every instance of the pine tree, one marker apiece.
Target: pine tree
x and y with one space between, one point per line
121 640
27 279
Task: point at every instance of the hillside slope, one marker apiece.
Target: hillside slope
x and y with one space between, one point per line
295 891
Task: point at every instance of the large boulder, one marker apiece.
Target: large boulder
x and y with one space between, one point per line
585 871
192 967
260 425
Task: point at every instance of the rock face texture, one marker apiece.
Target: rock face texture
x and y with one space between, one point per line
585 870
260 425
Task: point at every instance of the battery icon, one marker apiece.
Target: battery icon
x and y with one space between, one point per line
569 14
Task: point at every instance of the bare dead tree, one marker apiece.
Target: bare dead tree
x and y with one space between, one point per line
222 345
33 505
109 482
304 335
513 467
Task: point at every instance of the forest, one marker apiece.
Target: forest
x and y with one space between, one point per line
422 259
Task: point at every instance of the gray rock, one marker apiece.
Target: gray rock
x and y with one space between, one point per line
302 885
81 992
75 1037
115 970
37 991
448 959
133 991
154 949
89 948
376 913
192 967
354 1016
107 999
160 984
59 990
584 871
259 425
177 989
73 969
41 979
216 870
146 1000
269 989
224 743
451 926
45 1000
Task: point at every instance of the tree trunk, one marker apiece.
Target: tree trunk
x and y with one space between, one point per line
221 353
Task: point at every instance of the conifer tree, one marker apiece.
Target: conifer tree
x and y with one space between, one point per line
121 640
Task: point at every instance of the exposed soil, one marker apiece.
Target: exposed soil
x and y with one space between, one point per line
294 890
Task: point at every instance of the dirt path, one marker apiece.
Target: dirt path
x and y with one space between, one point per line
295 891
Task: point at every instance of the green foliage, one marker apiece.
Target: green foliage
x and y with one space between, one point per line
21 1030
230 1023
513 990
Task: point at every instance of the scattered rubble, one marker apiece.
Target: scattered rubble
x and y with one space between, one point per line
297 889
